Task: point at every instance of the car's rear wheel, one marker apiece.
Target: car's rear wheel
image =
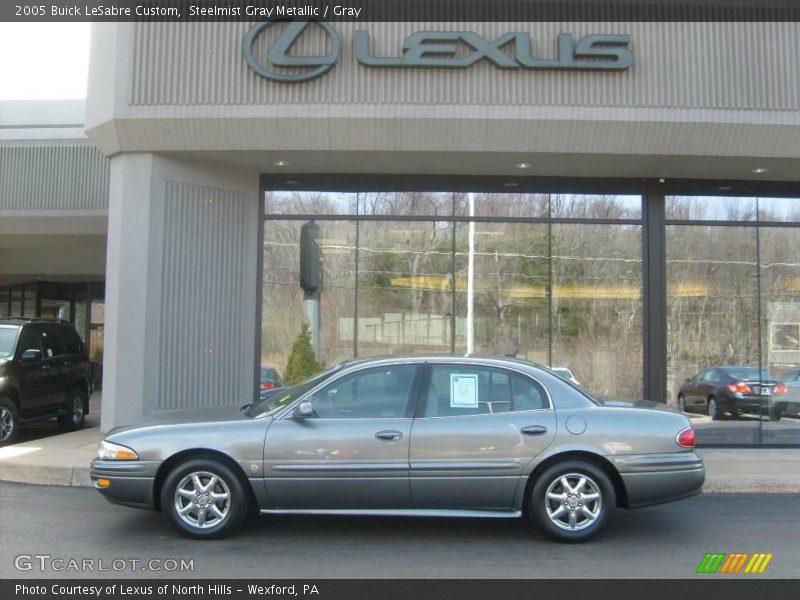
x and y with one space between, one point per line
572 501
204 499
9 421
713 409
75 415
681 403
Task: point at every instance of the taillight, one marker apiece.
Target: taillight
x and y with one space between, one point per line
267 385
781 388
685 438
741 388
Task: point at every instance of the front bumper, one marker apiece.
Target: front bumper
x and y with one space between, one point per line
658 478
131 481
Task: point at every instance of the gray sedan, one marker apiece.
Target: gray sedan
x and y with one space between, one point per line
433 436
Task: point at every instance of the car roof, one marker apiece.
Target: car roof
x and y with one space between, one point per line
435 358
20 321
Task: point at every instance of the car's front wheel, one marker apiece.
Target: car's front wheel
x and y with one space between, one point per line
203 498
572 501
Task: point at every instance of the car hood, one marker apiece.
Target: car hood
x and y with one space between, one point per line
209 415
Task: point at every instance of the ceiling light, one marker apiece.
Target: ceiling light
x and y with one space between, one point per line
523 165
760 170
281 163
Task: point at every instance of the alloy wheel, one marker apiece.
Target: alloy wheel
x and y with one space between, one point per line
77 410
202 500
573 501
6 424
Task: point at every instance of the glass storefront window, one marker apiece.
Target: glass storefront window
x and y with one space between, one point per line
404 287
588 206
561 294
520 205
29 308
780 328
282 299
711 208
16 301
597 306
733 316
511 278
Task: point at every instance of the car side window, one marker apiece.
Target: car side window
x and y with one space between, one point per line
29 339
382 392
527 394
51 342
459 390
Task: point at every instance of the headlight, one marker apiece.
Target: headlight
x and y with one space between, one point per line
108 451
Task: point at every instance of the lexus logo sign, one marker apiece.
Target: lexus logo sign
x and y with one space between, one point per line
278 54
435 49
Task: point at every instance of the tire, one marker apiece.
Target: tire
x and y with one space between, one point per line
565 513
75 417
681 403
713 409
226 494
775 414
9 421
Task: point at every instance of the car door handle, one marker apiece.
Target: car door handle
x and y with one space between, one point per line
389 435
534 430
45 366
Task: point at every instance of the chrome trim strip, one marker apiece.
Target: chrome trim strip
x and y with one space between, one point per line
398 512
340 467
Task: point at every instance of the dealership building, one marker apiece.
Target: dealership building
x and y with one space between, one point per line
622 199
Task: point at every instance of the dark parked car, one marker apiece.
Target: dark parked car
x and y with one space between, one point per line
44 373
270 379
732 391
433 436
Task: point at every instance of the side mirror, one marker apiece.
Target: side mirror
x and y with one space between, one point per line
32 355
304 410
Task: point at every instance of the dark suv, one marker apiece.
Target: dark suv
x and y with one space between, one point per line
44 373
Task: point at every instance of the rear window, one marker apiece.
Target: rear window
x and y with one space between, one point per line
72 341
7 337
749 373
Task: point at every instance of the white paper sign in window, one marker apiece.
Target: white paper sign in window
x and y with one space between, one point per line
463 390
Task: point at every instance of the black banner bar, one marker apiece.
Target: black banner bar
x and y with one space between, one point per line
400 10
710 588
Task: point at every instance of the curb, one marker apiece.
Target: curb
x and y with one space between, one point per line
38 475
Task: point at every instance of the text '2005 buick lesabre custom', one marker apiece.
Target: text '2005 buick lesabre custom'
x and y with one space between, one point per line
433 436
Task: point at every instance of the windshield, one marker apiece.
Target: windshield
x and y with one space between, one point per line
277 398
7 337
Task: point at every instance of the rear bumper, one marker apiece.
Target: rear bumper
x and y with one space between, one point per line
130 482
658 478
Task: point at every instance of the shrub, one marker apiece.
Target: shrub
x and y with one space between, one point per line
302 362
